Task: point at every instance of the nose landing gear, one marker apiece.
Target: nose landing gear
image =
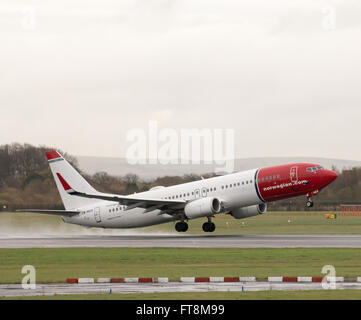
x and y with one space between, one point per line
309 203
181 226
208 226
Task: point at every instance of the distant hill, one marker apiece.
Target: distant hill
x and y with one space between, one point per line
120 167
26 180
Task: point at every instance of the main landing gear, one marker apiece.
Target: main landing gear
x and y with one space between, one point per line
208 226
181 226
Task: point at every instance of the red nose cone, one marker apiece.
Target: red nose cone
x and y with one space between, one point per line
330 176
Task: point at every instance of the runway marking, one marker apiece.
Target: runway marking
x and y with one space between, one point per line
186 241
211 279
13 290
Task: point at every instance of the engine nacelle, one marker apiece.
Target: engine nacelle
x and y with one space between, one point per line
202 207
250 211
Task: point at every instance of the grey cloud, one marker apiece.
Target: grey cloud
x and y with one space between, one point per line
269 71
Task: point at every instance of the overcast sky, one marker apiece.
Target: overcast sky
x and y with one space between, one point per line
285 75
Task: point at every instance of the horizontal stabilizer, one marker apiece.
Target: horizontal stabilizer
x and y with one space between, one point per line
65 213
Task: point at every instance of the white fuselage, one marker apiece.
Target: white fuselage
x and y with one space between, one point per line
107 214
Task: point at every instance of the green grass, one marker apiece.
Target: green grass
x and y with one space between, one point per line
304 222
247 295
57 264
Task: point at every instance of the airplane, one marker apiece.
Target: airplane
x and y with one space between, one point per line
243 194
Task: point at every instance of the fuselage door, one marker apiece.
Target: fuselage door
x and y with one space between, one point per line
196 194
296 187
294 174
204 192
97 215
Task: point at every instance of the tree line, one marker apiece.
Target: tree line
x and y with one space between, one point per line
26 182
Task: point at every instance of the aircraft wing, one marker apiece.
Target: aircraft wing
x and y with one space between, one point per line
66 213
145 203
131 202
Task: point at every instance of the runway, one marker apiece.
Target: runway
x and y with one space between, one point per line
185 241
15 290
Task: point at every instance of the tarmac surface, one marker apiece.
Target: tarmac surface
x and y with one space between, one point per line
15 290
185 241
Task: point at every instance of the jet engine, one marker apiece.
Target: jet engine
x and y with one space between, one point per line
251 211
202 207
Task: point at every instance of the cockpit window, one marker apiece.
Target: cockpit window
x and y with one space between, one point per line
311 169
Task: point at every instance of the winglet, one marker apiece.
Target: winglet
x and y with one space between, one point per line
52 155
65 185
